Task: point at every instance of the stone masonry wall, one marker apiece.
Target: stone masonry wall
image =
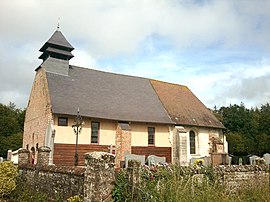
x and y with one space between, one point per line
55 181
95 181
235 176
92 182
38 112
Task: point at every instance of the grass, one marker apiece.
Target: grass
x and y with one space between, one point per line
180 184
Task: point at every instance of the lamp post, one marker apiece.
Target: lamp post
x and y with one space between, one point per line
77 128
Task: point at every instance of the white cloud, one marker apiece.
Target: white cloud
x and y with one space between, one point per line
107 30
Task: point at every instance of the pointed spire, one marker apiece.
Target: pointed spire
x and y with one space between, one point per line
57 46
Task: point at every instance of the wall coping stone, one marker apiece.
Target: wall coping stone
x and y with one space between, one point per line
21 150
241 168
107 157
75 170
44 149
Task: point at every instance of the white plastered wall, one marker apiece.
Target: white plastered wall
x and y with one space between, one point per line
139 134
65 134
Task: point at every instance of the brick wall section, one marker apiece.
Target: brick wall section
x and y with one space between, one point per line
122 144
38 112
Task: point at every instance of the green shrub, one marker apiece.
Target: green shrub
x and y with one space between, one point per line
8 174
121 190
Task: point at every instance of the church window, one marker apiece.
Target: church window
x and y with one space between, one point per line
192 142
151 135
94 132
62 121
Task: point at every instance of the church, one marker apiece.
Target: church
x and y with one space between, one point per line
132 115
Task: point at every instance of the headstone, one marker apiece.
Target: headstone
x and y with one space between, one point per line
230 160
240 161
206 161
1 159
140 158
153 160
253 159
267 158
9 155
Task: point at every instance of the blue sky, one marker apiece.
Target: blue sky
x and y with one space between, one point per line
220 49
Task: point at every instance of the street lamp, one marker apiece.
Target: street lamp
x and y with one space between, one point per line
77 128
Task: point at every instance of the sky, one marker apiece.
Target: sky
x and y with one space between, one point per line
220 49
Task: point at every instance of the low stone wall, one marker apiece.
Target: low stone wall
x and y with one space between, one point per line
235 176
93 182
56 182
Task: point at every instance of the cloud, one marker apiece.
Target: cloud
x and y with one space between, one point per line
212 46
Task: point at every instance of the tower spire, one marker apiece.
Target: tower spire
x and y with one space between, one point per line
58 24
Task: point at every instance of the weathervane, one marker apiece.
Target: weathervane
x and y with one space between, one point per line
58 24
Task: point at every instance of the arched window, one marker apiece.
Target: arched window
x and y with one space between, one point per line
192 142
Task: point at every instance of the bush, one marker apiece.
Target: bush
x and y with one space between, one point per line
8 174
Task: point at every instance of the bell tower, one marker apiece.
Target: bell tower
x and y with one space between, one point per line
56 53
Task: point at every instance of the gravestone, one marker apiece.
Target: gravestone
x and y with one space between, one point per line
267 158
1 159
240 161
206 161
140 158
152 159
253 159
9 155
230 160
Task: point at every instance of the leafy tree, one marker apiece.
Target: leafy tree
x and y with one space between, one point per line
247 130
11 128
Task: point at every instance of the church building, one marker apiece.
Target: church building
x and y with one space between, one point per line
133 115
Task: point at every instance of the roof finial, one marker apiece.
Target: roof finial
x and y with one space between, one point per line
58 24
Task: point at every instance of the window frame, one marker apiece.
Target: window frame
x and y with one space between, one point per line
98 132
192 142
63 118
153 136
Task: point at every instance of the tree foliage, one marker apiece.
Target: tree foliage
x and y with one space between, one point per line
11 128
248 130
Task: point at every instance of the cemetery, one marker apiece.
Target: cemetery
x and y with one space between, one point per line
100 178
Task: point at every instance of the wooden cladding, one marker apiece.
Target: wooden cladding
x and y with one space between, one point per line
158 151
64 153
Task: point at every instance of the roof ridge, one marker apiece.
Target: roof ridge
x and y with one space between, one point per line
132 76
166 82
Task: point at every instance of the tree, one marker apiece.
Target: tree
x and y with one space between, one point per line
11 128
247 130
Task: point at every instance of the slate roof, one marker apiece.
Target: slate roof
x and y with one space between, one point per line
105 95
57 39
183 106
57 46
